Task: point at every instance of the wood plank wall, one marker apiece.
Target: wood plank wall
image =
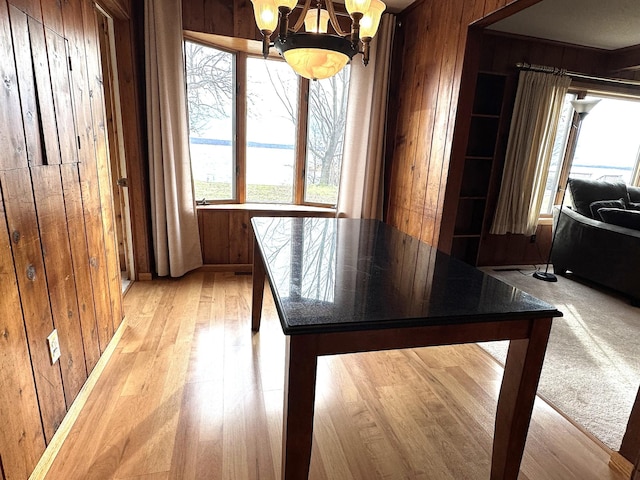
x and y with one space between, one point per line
58 257
434 36
219 17
128 24
226 237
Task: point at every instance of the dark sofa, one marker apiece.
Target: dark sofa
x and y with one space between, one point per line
604 252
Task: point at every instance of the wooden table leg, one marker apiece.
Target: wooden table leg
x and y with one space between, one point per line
515 403
258 288
299 400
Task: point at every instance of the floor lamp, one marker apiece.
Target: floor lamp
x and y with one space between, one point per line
582 107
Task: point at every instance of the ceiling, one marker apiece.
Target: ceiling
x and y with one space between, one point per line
606 24
394 6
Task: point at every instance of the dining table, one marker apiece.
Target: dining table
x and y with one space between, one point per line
344 285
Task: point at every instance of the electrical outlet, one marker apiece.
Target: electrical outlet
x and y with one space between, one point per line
54 346
532 239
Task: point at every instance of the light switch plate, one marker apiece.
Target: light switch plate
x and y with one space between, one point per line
54 346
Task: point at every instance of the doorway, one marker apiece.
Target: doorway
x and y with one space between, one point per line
119 182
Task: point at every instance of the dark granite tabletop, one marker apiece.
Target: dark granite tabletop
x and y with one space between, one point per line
331 275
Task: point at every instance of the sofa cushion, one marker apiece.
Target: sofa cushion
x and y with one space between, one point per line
585 192
634 194
595 206
633 206
620 217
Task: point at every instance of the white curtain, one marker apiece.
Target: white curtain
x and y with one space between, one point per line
176 241
362 177
533 130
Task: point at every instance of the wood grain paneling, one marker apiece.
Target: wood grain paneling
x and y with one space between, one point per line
624 59
94 69
133 137
30 7
46 106
239 232
52 15
21 435
231 19
97 256
11 133
88 178
59 72
226 235
432 68
63 297
51 231
74 33
81 267
214 240
120 9
17 195
28 94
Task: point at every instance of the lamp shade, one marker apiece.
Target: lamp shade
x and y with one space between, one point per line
311 23
357 6
315 56
371 20
266 14
315 63
584 106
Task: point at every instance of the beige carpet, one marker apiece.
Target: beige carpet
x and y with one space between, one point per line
591 371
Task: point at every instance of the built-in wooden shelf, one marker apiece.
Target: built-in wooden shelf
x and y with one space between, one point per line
479 164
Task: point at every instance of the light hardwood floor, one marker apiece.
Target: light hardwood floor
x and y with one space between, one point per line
191 393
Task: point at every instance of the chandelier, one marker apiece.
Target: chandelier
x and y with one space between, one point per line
315 53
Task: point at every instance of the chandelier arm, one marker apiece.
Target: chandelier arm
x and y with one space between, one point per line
300 21
334 19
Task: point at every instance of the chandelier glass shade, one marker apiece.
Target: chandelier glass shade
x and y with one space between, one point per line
317 53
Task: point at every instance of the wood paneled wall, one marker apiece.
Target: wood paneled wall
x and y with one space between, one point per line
434 35
226 236
58 257
129 37
229 18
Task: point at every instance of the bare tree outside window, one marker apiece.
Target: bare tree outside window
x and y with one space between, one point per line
272 110
210 102
209 74
272 90
325 137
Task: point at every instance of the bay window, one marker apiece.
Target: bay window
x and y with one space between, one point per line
261 134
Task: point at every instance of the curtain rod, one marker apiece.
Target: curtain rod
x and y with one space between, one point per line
562 71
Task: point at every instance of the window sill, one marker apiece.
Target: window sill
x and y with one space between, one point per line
267 207
545 221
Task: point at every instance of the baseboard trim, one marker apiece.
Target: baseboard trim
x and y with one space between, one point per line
50 453
620 464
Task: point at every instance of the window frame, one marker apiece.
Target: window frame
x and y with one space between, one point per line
242 51
572 142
